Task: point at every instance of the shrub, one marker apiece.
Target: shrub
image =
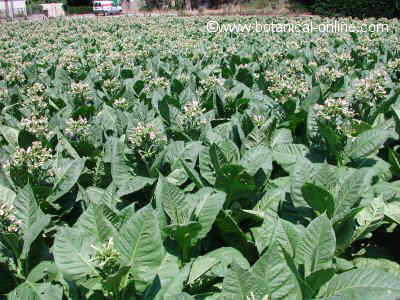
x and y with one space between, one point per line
358 8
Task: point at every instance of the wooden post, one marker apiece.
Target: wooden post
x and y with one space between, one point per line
12 10
6 8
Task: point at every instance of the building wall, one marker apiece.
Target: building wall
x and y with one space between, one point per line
19 7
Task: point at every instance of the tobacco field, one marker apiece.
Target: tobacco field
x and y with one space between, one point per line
146 158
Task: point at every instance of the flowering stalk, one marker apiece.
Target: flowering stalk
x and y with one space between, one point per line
146 140
77 129
8 220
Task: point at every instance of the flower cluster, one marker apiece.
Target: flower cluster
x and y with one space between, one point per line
284 86
183 77
106 257
81 91
31 159
34 97
8 221
258 119
121 103
36 102
193 109
335 107
36 89
14 75
156 83
338 113
112 86
146 139
211 82
192 116
394 65
328 74
344 59
70 61
37 126
371 89
77 129
104 68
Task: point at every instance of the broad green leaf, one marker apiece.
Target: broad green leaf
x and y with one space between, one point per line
93 223
317 248
318 278
63 144
349 193
171 288
319 199
235 285
301 174
273 229
275 269
7 196
207 170
173 201
45 269
10 134
281 136
367 143
313 133
226 256
369 218
177 177
107 118
361 284
392 211
200 266
192 174
287 155
169 267
66 179
257 158
134 184
207 210
120 170
235 181
140 245
33 220
36 291
378 263
185 235
73 253
233 235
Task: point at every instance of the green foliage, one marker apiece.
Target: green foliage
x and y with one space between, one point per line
358 8
150 159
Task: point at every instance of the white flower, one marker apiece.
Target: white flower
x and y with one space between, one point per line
146 139
8 221
77 128
32 159
121 103
258 119
111 85
156 83
212 82
81 90
38 126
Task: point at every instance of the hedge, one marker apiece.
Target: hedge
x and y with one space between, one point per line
358 8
